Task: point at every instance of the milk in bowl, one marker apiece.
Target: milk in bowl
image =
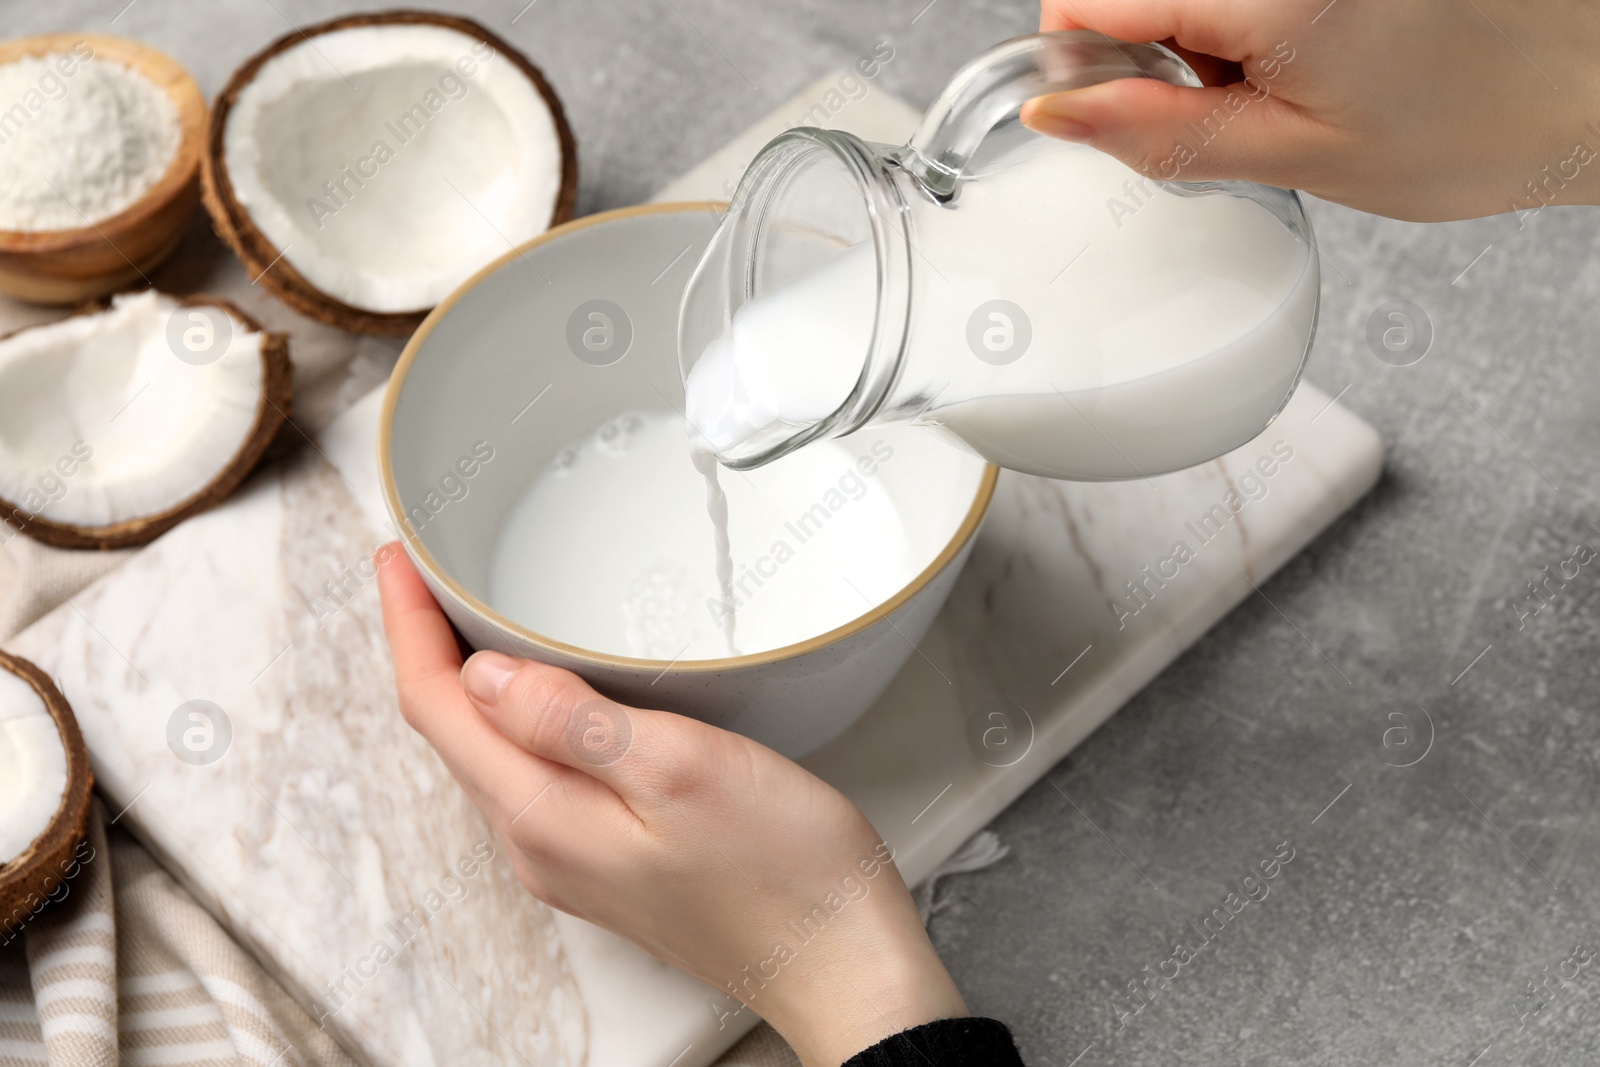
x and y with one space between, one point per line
581 536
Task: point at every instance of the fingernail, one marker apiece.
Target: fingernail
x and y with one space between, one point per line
485 675
1060 126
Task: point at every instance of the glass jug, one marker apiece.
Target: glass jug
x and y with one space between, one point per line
1033 300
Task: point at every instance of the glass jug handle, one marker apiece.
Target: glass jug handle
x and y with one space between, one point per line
996 85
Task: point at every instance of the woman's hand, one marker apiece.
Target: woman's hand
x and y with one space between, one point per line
711 852
1420 111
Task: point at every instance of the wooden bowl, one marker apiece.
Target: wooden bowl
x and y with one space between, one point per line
68 266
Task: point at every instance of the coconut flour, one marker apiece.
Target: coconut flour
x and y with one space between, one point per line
81 139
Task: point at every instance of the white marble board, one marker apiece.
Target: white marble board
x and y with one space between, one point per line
326 823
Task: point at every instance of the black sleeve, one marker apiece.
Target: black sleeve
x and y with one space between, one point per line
946 1043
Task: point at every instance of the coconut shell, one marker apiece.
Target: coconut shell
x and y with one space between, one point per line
29 880
273 411
264 260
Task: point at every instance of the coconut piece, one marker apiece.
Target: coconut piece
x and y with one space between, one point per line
120 421
366 167
45 784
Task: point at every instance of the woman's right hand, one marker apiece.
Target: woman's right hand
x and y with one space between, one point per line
1419 111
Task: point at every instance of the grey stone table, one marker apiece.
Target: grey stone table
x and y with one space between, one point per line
1423 902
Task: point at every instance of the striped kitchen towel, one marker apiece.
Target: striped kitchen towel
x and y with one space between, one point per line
142 976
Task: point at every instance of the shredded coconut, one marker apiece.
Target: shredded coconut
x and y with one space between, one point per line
80 140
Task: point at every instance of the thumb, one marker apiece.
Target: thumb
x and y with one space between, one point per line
1176 133
551 713
557 716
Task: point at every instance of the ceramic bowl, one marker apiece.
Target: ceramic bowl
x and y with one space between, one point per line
69 266
493 367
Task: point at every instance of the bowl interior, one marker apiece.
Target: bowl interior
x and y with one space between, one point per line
543 348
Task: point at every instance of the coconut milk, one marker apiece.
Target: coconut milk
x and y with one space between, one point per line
1069 318
611 547
705 461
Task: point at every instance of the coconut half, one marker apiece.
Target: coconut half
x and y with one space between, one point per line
119 422
45 783
366 167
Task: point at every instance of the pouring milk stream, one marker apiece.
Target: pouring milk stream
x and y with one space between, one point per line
1036 302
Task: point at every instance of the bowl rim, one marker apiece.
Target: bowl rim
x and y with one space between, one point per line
173 79
418 549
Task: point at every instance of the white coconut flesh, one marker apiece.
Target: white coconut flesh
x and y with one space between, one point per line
383 170
33 767
102 423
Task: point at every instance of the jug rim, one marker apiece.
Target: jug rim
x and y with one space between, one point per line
871 168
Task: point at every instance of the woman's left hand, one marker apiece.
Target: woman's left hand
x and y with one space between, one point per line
710 851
